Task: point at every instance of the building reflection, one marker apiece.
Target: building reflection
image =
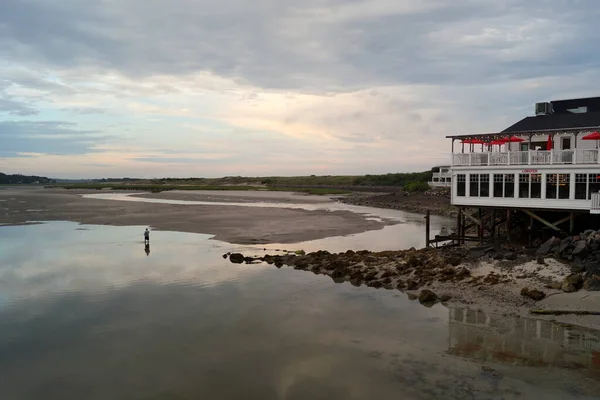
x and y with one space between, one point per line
521 341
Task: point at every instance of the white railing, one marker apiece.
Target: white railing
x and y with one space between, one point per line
587 156
595 202
541 157
519 157
533 157
498 158
442 175
461 159
562 156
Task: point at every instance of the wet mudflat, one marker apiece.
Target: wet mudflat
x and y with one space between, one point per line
86 311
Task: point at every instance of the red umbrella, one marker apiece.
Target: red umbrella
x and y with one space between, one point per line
549 143
472 141
513 139
592 136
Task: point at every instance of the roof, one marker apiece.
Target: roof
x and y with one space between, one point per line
544 124
556 122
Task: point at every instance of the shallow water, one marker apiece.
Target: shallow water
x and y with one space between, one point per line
406 229
86 314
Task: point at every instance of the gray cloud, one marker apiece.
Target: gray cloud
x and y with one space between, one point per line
313 44
50 137
13 107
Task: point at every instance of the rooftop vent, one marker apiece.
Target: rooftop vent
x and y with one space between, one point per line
543 109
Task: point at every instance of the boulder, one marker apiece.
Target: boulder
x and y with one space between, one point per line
545 248
533 294
568 288
541 260
580 249
510 256
577 266
592 284
592 267
427 296
574 279
236 258
445 297
564 244
453 259
463 272
411 284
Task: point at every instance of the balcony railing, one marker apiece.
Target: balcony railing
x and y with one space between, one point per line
532 157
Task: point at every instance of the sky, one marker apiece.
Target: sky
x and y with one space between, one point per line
204 88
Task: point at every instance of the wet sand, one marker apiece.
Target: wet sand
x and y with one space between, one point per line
230 224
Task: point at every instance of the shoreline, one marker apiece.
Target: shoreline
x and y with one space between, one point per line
437 202
454 276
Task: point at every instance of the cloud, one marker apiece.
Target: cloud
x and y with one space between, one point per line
335 86
46 137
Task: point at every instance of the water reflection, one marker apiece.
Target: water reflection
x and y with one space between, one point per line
86 315
522 341
147 248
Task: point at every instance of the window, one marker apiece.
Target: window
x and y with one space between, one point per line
566 143
484 185
536 186
474 185
461 185
498 185
594 184
580 186
564 186
551 186
524 186
509 185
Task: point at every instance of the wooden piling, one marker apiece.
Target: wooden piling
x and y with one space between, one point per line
508 224
427 228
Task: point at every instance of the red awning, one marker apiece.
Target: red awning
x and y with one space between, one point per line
498 142
513 139
549 143
592 136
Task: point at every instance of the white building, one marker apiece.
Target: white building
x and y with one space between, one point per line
545 162
441 179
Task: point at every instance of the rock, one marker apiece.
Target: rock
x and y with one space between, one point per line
411 284
564 244
226 255
463 272
414 261
568 288
236 258
541 260
412 296
580 249
445 297
448 271
533 294
592 284
574 279
453 259
592 267
510 256
427 296
545 248
577 266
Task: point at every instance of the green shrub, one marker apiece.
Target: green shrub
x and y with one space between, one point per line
416 187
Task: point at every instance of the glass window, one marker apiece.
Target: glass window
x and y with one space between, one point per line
580 186
484 185
474 185
498 185
564 186
461 188
536 186
594 184
551 186
524 186
509 185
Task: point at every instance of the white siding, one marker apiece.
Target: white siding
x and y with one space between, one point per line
581 144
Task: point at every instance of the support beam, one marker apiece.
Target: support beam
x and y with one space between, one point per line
572 224
562 220
472 218
508 224
481 226
542 220
427 228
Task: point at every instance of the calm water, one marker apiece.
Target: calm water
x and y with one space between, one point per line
85 313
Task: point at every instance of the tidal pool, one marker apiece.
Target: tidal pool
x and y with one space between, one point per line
86 313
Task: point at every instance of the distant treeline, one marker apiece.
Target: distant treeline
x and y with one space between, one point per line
23 179
413 181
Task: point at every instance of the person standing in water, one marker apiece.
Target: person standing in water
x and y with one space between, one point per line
147 236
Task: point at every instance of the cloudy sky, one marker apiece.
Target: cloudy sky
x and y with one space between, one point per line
159 88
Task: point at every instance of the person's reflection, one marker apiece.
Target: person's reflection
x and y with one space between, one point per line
147 248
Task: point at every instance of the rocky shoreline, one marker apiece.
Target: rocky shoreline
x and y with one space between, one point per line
509 278
437 202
